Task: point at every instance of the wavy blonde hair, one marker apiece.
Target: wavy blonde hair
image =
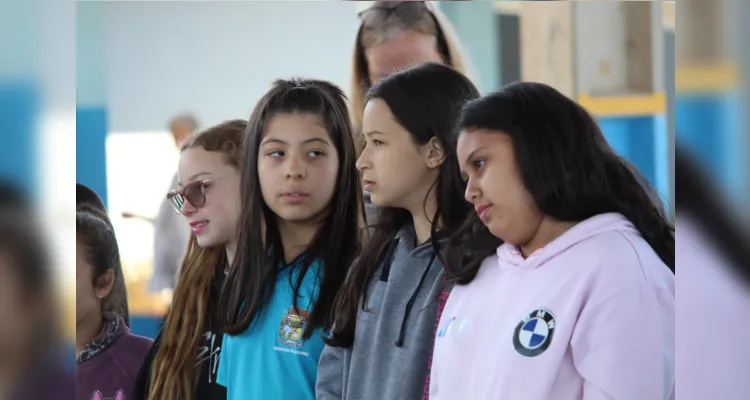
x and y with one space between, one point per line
173 372
433 23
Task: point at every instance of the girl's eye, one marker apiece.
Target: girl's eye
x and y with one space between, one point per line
315 153
478 163
377 143
276 154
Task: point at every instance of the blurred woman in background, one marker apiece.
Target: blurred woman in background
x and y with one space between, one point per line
397 35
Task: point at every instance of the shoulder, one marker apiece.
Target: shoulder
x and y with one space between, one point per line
619 261
487 271
131 351
137 342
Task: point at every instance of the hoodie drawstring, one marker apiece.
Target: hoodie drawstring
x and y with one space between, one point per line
410 303
388 259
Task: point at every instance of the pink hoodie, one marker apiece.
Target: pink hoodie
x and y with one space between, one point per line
589 316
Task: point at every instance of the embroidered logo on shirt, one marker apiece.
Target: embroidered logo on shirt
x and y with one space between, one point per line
292 327
533 334
120 395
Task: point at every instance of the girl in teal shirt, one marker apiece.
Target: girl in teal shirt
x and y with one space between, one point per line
299 232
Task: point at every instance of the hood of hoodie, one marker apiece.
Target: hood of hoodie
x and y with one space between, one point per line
510 257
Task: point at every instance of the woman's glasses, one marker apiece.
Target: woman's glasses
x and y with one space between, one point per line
407 12
194 192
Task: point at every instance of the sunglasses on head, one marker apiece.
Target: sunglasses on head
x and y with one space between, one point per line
193 192
408 12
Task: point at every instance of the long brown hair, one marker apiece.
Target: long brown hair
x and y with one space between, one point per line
432 23
173 371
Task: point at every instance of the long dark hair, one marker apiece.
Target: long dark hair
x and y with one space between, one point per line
699 199
117 301
426 101
98 237
565 164
249 285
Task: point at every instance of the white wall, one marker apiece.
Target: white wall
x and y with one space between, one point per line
216 59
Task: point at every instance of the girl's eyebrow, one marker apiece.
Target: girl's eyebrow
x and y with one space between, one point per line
279 141
192 177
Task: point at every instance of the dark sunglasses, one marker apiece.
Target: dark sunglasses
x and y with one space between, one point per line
194 192
407 12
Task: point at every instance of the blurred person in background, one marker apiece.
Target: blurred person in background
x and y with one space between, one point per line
30 364
394 36
108 355
117 301
171 232
714 281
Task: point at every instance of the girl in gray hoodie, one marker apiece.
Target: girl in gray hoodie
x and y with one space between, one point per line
386 313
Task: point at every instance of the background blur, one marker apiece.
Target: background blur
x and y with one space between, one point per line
118 71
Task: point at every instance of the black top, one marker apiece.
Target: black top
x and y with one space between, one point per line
207 355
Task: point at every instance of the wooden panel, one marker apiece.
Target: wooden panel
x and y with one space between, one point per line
639 37
546 38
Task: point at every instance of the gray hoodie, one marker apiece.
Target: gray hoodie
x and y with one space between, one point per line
393 340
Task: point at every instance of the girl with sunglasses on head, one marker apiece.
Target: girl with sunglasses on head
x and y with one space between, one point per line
386 314
184 360
566 290
299 232
108 355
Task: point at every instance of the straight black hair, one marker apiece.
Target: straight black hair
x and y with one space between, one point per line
93 231
249 284
117 301
426 100
566 165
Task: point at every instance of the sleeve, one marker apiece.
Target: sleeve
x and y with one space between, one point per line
623 347
330 381
222 375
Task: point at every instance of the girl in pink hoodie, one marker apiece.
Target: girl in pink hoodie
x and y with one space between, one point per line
564 288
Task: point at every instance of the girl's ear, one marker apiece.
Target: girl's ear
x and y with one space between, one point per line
104 283
433 153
